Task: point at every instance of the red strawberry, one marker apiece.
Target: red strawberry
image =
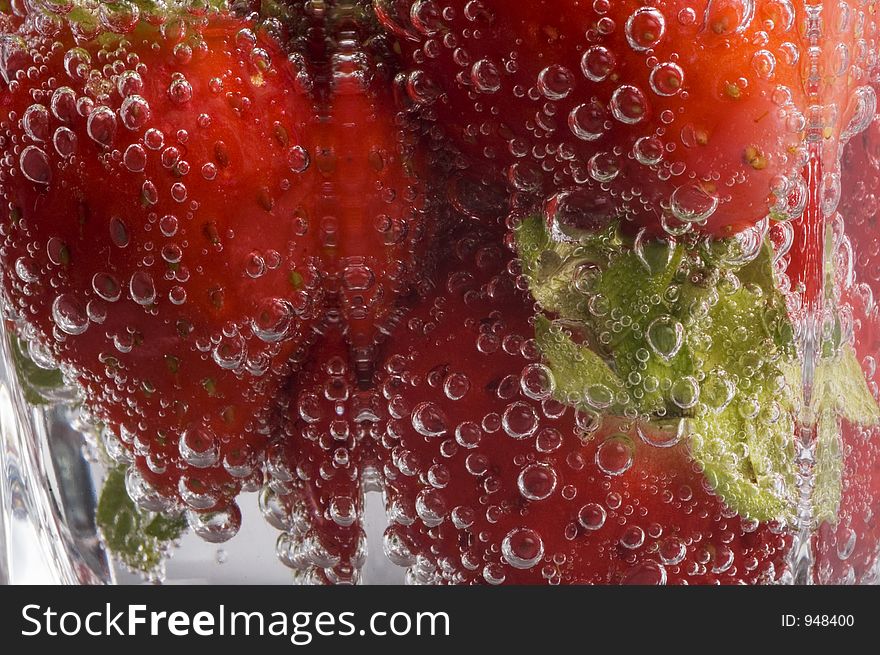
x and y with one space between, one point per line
669 113
320 466
489 479
181 205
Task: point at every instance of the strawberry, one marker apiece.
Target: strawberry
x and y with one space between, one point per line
492 478
183 205
666 115
320 466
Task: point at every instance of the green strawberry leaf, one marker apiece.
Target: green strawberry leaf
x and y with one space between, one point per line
136 537
559 271
690 331
36 382
582 376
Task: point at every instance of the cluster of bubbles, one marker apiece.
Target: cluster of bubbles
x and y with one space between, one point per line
618 129
459 511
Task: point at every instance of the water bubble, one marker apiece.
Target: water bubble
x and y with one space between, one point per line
101 125
134 112
69 314
628 104
274 320
195 493
298 159
555 82
35 165
614 456
764 64
548 440
199 447
591 516
645 28
343 511
537 381
426 17
597 63
119 233
431 507
662 434
142 289
485 76
587 121
665 336
672 551
648 572
633 537
667 79
35 122
648 150
456 386
129 83
537 481
522 548
26 270
725 17
135 158
603 167
572 214
216 527
180 90
63 104
77 62
143 494
494 574
685 392
230 353
468 434
396 547
429 420
65 142
463 517
519 420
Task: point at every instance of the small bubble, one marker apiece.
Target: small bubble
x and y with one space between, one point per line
537 481
69 314
597 63
614 456
35 165
645 28
522 548
298 159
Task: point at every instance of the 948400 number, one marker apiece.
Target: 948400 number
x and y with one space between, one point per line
818 620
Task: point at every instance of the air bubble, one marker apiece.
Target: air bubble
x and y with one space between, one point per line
628 104
537 481
614 456
555 82
101 125
645 28
485 76
597 63
69 314
35 165
522 548
216 527
665 336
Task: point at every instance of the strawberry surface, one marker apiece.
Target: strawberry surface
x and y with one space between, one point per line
182 208
673 113
490 479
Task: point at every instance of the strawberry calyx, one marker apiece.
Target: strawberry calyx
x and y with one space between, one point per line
691 335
